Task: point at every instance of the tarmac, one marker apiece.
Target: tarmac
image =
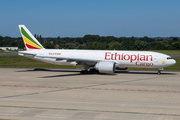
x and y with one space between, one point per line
65 94
9 54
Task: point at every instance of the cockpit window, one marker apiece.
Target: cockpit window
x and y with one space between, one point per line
169 58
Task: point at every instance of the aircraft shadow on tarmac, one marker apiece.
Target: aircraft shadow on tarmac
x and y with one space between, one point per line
96 73
49 70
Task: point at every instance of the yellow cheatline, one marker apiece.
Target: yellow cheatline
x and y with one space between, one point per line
30 43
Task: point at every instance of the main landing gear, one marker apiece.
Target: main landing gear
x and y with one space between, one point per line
85 72
91 71
88 71
159 71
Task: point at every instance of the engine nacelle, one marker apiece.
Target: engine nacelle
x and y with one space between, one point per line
105 67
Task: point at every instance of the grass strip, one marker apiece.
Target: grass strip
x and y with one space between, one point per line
168 51
23 62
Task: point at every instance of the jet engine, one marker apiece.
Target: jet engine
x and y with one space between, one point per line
105 66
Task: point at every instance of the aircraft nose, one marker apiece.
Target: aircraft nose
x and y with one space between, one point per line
171 62
174 62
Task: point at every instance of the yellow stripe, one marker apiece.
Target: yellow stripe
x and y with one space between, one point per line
30 43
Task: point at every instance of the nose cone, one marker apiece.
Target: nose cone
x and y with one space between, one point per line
171 62
174 62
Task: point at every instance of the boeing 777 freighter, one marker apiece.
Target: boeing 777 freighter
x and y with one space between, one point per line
105 61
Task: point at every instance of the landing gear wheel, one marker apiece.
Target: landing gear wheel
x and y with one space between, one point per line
159 72
84 72
93 71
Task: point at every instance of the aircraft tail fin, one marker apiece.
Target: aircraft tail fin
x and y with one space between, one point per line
30 41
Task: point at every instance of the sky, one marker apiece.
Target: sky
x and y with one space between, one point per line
76 18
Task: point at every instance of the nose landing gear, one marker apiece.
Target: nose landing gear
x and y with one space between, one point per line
159 71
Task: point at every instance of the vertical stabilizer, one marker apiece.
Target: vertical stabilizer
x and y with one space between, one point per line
29 40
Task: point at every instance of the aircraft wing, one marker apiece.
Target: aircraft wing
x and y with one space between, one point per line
77 60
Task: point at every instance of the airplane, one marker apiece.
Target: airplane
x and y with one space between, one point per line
103 61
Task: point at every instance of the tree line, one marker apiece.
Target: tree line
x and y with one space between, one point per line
99 43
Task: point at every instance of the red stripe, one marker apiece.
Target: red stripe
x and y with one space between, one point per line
31 47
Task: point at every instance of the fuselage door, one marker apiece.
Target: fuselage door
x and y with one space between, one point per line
156 62
156 59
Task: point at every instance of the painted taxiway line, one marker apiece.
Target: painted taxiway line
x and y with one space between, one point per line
80 88
85 110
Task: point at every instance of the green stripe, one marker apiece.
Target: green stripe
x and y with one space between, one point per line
28 37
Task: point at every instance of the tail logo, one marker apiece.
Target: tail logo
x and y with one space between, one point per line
29 42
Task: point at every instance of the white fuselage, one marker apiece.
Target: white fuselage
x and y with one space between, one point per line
139 59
